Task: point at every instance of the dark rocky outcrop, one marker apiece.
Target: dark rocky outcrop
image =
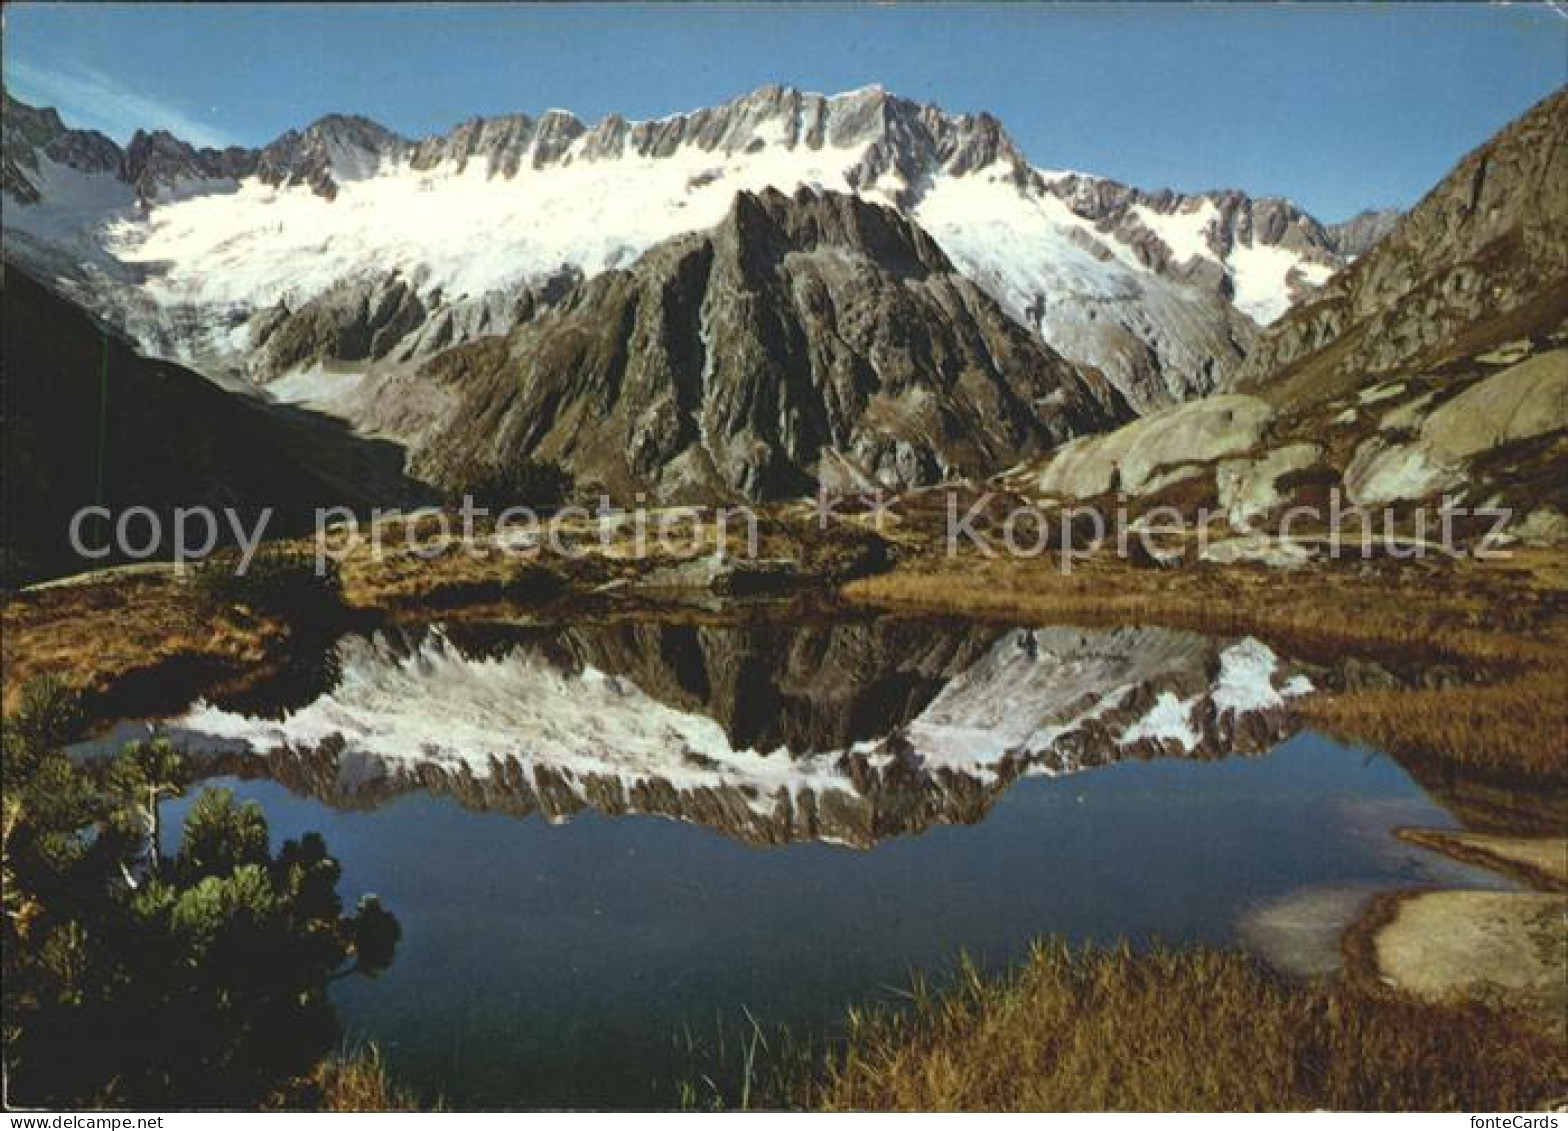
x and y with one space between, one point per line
830 732
1358 235
1488 240
805 339
29 131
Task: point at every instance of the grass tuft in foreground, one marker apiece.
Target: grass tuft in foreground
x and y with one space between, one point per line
349 1081
1191 1029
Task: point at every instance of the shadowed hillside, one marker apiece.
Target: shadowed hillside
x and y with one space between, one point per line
89 421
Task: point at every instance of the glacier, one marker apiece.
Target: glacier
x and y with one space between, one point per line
1162 292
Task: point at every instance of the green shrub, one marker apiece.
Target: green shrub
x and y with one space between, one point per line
279 580
520 482
136 979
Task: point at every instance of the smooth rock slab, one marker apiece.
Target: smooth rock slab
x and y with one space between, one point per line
1131 458
1247 488
1510 947
1525 400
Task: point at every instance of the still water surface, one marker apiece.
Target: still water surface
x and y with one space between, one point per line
564 929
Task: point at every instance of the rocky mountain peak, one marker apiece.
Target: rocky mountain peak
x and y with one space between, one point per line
766 225
807 339
333 149
1489 238
1162 292
155 159
897 136
30 131
30 125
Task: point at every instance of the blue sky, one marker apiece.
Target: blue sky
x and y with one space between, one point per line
1339 108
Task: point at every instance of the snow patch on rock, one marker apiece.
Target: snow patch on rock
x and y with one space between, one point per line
1169 720
1246 680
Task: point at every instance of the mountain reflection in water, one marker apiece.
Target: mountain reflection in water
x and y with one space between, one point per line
848 733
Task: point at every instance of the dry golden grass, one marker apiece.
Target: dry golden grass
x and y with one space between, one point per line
349 1082
137 641
1180 1030
106 639
1515 728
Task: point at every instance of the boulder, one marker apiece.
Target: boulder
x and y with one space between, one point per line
1136 456
1383 472
1247 486
1525 400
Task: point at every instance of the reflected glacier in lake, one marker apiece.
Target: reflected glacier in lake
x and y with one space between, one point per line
844 733
599 838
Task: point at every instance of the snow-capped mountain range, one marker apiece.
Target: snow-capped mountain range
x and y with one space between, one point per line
188 249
